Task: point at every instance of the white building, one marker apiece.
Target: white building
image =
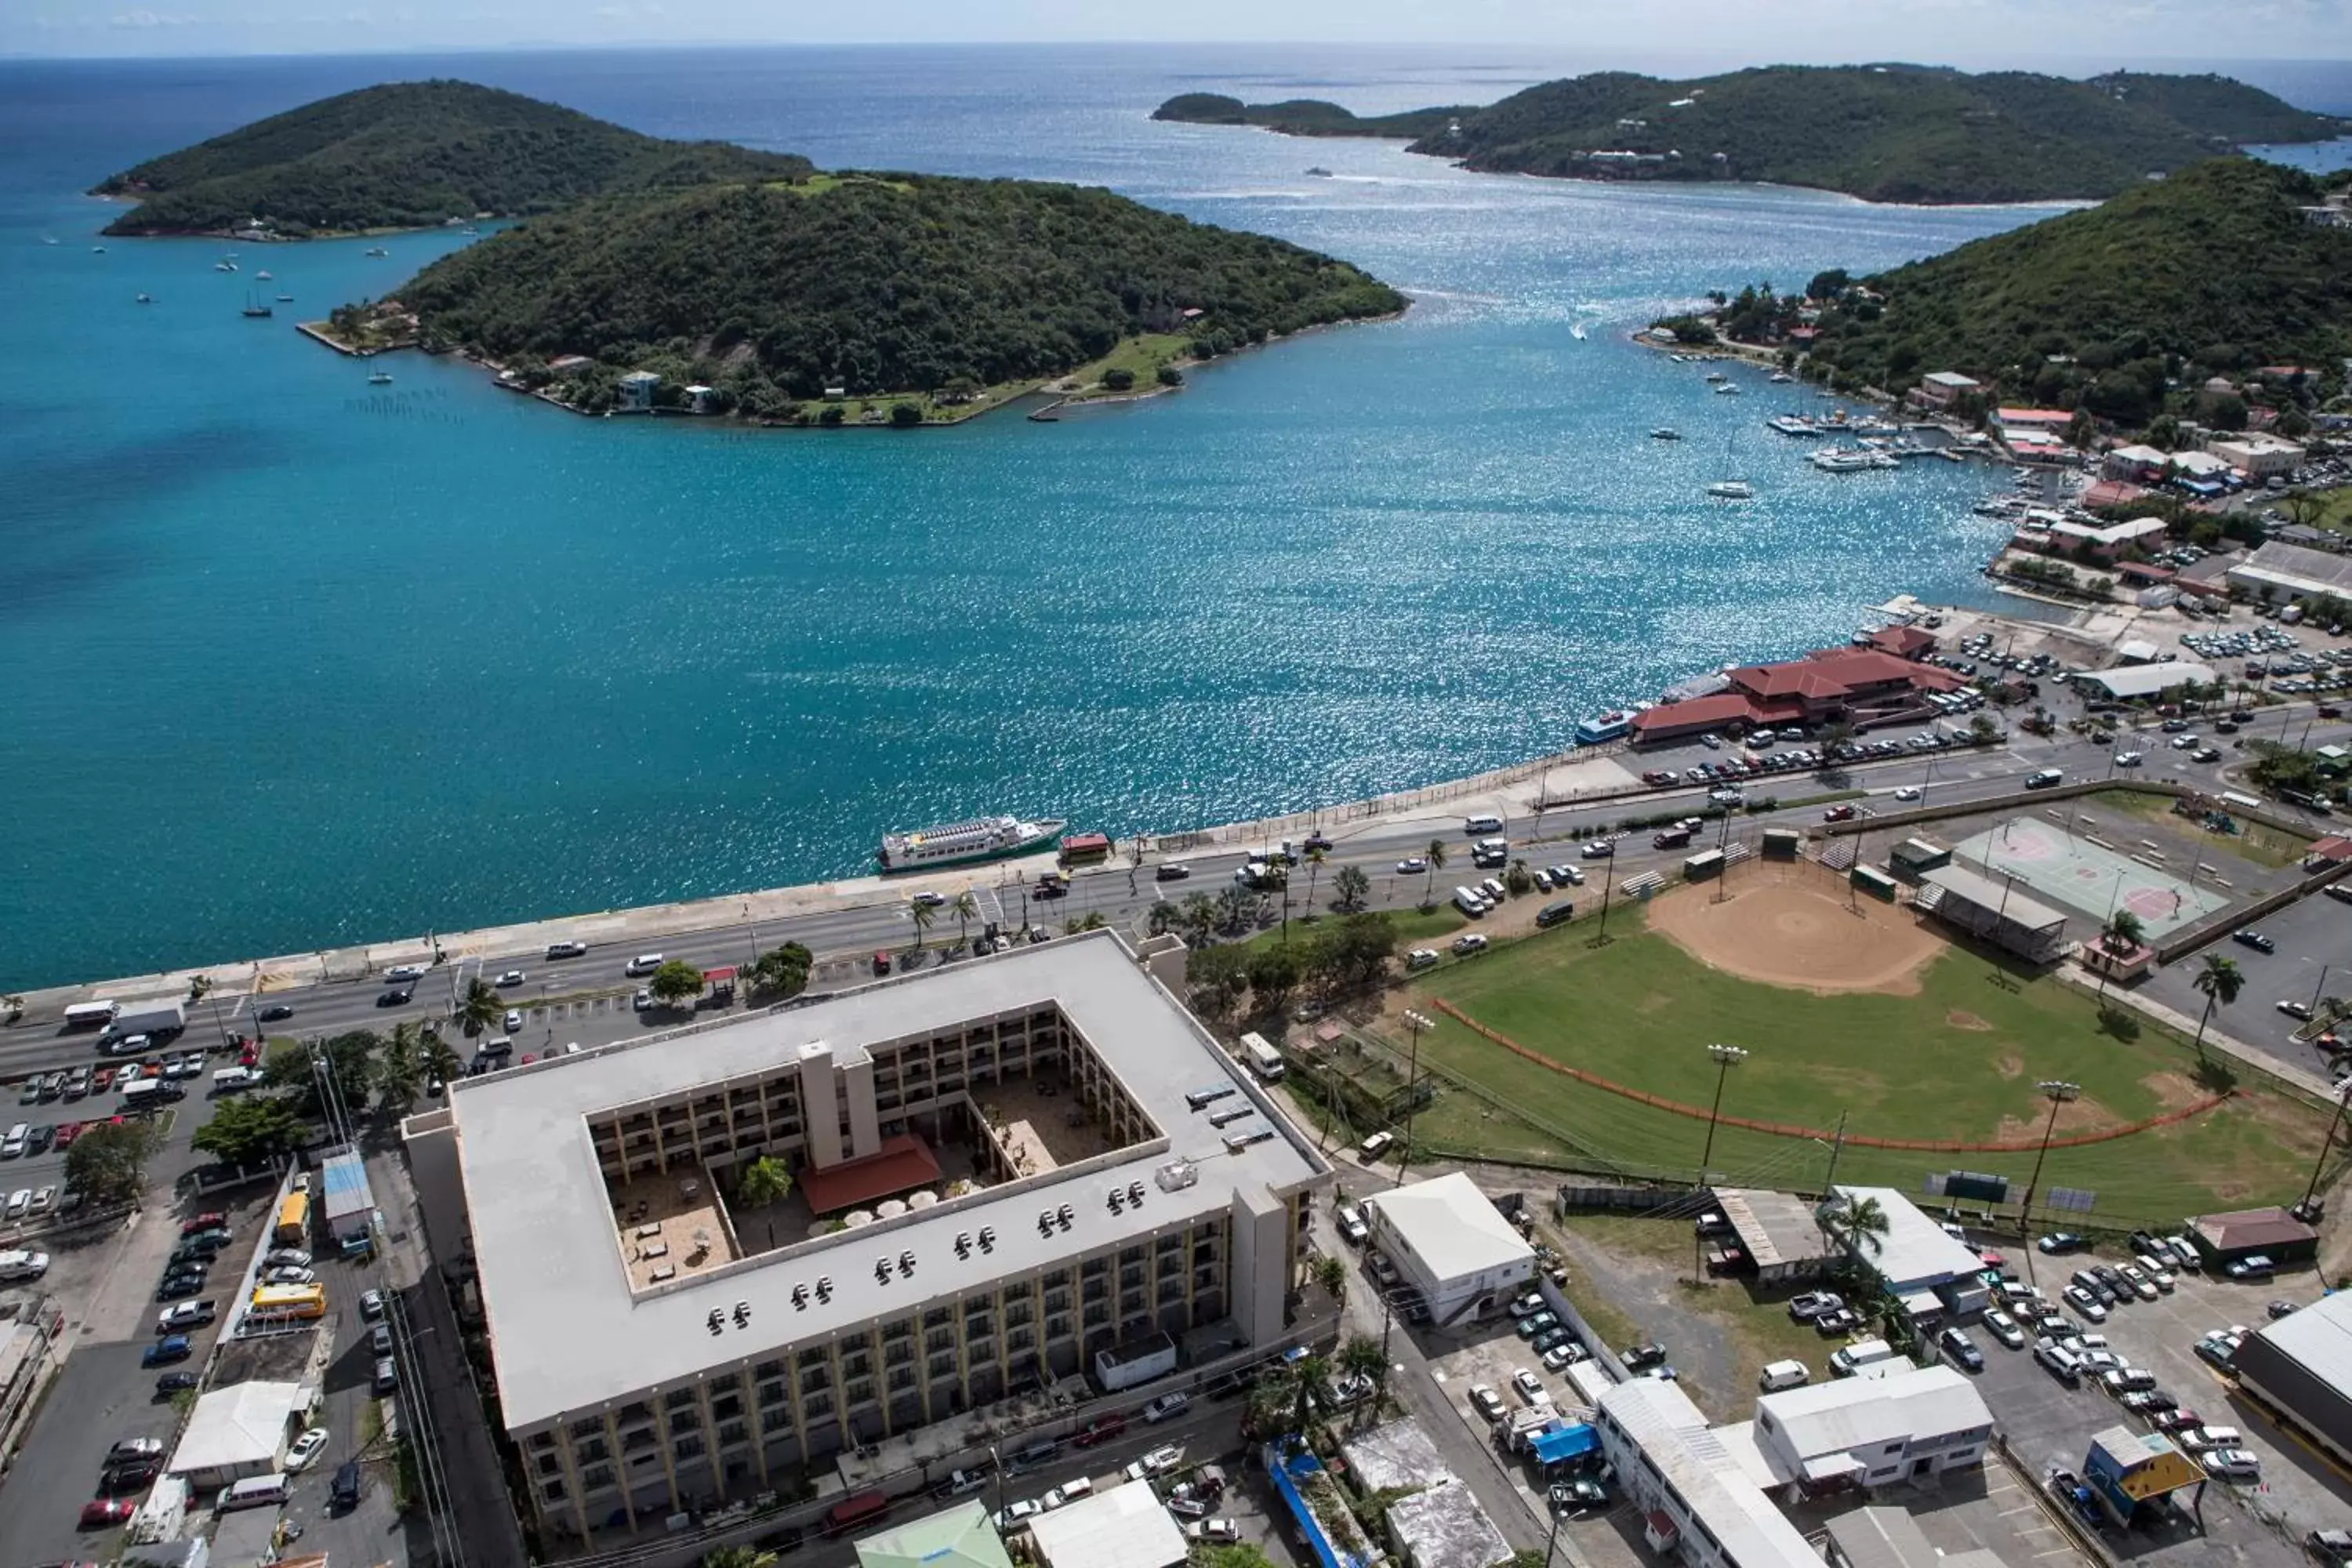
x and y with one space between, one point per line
2292 571
238 1432
2257 457
1695 1497
638 392
1870 1431
1452 1246
2129 682
1923 1265
1126 1179
1937 388
1125 1527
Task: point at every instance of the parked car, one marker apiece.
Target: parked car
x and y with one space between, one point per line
1811 1304
2005 1329
2062 1241
1528 1384
165 1350
2084 1303
1961 1350
2253 939
2257 1267
306 1449
1485 1401
99 1513
2232 1464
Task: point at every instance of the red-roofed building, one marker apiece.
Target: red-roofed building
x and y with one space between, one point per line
2111 492
1858 685
1904 642
901 1163
2045 418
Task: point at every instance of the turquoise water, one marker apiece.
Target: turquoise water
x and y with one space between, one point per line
287 661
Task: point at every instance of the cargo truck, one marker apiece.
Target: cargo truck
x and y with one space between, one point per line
157 1020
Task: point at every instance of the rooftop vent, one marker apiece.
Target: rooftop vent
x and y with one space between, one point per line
742 1314
1135 1192
1237 1142
882 1271
1116 1206
963 1244
987 1237
799 1296
906 1263
1176 1175
1227 1117
717 1322
1044 1222
825 1287
1062 1213
1198 1097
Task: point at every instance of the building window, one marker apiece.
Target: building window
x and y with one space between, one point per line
689 1447
549 1465
591 1450
776 1419
596 1478
553 1491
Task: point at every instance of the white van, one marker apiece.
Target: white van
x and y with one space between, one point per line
1478 827
254 1491
1469 902
1375 1146
1783 1374
644 963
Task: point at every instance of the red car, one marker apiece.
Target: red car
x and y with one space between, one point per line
1838 813
67 1132
250 1057
204 1222
98 1512
1101 1429
881 964
101 1080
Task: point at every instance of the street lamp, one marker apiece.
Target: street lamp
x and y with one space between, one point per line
1726 1059
2058 1091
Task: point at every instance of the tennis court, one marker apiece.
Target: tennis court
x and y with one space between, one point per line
2087 876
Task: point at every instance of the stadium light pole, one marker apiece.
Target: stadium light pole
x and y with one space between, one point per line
2327 1146
1726 1059
2058 1091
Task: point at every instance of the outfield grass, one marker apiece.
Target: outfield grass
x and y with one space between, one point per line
1959 1061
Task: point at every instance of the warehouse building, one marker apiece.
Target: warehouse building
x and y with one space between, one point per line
1123 1527
2136 682
1453 1246
238 1432
1696 1500
2301 1367
1000 1169
1920 1263
1890 1538
2287 572
1869 1432
1778 1234
2221 1239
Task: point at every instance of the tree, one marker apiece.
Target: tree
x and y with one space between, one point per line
1311 1371
765 1180
1519 880
1313 870
1331 1274
1354 890
738 1557
439 1059
1196 917
303 1067
1982 731
904 415
250 1128
1859 1225
1272 977
2122 933
966 909
1362 1357
1119 378
1436 857
398 1070
482 1007
922 914
781 971
1169 375
2220 980
675 982
108 1165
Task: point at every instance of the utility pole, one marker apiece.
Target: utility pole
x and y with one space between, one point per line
1726 1059
1417 1023
2305 1210
2058 1091
1607 882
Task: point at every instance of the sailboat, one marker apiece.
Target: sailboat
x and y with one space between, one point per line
1730 489
379 377
285 299
263 275
255 305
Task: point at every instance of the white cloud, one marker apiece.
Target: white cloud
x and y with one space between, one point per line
144 18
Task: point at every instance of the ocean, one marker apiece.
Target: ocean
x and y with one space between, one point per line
289 661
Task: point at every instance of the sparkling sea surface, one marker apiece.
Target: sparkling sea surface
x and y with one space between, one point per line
289 661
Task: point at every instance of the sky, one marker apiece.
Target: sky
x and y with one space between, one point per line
2017 33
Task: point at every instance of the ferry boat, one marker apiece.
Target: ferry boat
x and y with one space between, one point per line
1851 460
1610 726
1732 489
962 843
1794 424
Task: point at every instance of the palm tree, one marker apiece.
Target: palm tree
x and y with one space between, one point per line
1331 1274
920 913
1436 859
1355 889
738 1557
1858 1225
1311 1370
396 1071
2122 933
1361 1356
2220 979
1198 917
439 1059
763 1181
966 909
482 1007
1313 870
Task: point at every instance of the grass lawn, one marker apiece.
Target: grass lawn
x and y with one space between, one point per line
1142 355
1412 927
2253 842
2338 515
1958 1060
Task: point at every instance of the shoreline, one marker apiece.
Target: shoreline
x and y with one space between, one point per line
1573 778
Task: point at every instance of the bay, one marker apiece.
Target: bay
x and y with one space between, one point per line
289 661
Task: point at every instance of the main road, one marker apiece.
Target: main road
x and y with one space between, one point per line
587 998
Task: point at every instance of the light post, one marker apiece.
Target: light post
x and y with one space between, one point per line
2305 1211
1608 885
1726 1059
2058 1091
1418 1023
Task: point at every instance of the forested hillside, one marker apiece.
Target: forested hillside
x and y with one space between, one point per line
408 154
2213 272
875 284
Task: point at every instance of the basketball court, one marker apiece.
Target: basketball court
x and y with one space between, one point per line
2074 871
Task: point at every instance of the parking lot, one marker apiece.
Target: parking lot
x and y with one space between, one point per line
2314 960
2049 1426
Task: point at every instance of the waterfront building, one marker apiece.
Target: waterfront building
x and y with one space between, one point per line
638 392
1001 1169
1939 388
1863 685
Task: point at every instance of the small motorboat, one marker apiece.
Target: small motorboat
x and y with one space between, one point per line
1731 490
146 298
1663 433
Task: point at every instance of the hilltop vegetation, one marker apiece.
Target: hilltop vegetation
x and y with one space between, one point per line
2124 310
408 154
772 293
1306 116
1891 132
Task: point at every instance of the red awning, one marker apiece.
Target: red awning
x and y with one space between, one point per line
901 1162
713 976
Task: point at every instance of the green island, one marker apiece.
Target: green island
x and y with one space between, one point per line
1883 132
412 155
2170 299
647 276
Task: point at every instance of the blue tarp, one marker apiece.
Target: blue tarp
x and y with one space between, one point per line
1288 1469
344 1180
1566 1443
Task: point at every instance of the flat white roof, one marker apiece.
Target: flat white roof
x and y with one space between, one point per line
2148 680
1915 1250
1126 1527
1455 1229
1443 1526
567 1334
242 1425
1660 1419
1850 1414
2319 1340
2294 568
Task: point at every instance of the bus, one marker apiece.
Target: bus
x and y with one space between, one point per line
91 1014
1262 1057
294 1219
857 1513
290 1301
